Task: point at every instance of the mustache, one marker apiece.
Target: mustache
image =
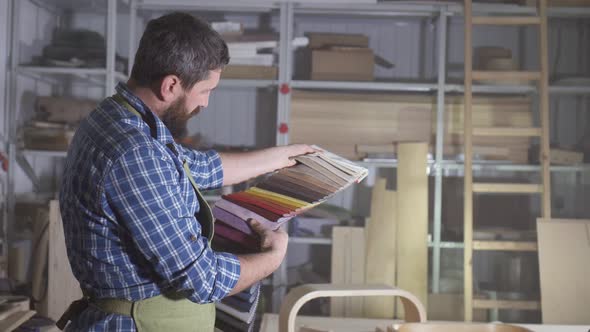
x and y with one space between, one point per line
196 111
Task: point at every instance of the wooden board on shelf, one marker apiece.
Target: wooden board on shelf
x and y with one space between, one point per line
348 267
566 157
249 72
341 121
560 3
412 219
564 249
381 249
15 320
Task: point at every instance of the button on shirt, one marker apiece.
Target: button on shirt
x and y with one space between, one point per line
129 210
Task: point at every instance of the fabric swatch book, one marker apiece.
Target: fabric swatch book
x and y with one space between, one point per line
273 201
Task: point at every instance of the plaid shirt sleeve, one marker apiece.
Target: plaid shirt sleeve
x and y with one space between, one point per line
205 167
143 191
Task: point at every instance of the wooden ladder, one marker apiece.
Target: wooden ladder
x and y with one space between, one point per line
544 189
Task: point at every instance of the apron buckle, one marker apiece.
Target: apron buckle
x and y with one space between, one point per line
73 311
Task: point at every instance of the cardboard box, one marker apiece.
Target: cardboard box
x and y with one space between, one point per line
342 64
249 72
323 40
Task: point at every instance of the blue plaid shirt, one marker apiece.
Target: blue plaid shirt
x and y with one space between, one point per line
128 213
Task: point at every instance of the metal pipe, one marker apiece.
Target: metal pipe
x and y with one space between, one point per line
440 119
111 45
132 40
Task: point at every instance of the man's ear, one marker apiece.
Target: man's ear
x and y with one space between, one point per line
170 88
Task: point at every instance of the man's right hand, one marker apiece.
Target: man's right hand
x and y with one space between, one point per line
274 242
255 267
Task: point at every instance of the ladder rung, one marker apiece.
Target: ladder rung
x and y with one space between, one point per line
505 245
507 188
500 75
506 304
508 131
506 20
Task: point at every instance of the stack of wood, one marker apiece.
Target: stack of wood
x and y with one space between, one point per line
340 122
492 58
393 248
490 112
55 121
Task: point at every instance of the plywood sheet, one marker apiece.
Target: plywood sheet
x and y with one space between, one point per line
62 287
381 249
412 219
564 252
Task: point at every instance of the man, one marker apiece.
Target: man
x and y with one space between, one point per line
137 232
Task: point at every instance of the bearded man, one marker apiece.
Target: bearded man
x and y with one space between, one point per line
137 229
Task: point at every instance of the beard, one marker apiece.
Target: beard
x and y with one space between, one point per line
176 118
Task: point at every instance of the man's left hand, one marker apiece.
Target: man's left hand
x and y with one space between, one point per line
282 155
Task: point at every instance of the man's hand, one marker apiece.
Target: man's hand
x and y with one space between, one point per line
274 242
282 154
255 267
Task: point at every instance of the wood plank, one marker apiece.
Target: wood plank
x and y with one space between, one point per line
507 304
39 258
348 267
62 287
506 75
412 220
507 188
506 20
505 245
381 249
506 131
564 248
15 320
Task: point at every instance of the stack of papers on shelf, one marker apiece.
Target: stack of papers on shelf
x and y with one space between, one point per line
254 56
280 197
228 28
54 122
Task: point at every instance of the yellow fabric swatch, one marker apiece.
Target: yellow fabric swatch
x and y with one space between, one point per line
278 197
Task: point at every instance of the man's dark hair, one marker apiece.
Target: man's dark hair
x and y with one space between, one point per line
178 44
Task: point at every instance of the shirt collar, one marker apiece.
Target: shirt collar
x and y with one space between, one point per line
163 135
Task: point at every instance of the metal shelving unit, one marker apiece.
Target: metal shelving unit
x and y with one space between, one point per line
105 77
442 12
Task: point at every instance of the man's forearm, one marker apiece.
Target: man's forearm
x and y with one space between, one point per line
255 267
239 167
